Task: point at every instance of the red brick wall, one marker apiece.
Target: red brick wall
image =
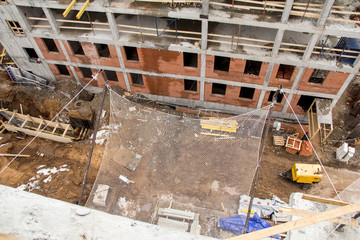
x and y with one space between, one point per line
331 84
275 82
293 102
231 96
163 86
162 61
92 56
50 55
236 71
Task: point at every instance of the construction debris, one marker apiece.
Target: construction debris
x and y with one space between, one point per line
100 195
293 144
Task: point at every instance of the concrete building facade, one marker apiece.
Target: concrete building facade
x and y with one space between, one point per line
222 55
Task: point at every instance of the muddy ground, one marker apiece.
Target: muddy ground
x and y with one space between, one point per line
66 163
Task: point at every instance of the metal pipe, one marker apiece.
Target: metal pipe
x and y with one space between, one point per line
252 194
68 9
93 142
82 10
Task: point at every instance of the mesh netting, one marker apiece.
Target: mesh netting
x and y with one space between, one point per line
168 154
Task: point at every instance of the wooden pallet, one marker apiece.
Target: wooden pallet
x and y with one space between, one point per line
278 140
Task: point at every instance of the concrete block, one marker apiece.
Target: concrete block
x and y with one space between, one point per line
174 224
350 154
342 151
101 195
174 213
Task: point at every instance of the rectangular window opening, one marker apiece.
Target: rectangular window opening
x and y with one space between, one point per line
131 53
111 75
279 97
252 67
50 45
3 2
15 28
103 50
137 79
62 69
76 47
246 92
318 76
190 85
305 102
285 71
31 53
86 72
190 59
218 88
222 64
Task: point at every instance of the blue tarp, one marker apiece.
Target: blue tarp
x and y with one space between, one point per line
236 224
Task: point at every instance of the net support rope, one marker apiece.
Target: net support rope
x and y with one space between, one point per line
94 77
307 137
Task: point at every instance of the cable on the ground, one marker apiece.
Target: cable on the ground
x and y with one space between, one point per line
307 137
33 139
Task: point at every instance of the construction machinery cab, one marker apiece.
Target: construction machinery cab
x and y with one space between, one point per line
304 174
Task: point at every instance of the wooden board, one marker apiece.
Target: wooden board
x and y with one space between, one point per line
278 140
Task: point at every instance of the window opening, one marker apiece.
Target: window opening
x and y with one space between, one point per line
279 97
86 72
15 28
103 50
318 76
246 92
190 85
62 69
285 71
131 54
305 102
252 67
137 79
111 75
222 64
218 88
50 45
76 47
190 59
31 53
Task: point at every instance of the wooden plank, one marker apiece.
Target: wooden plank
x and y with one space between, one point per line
66 129
306 221
35 133
303 213
13 155
324 200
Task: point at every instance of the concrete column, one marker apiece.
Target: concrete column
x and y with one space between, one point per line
286 105
310 47
204 34
356 64
113 26
297 78
286 12
52 21
106 3
122 66
261 99
205 7
277 43
325 13
266 83
202 76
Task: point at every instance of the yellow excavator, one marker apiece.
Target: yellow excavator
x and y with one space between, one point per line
304 174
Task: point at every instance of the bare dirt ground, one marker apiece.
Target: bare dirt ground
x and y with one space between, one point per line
65 163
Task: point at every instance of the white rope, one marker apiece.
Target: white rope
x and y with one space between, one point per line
94 78
307 137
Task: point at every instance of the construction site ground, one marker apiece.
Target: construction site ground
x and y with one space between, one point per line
66 163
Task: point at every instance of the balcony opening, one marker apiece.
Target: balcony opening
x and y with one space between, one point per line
318 76
111 75
246 92
285 71
76 48
131 54
137 79
190 85
103 50
31 53
218 88
305 102
222 64
252 67
190 59
50 45
279 97
86 72
62 69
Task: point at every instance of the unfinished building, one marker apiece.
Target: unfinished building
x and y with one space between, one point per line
222 55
